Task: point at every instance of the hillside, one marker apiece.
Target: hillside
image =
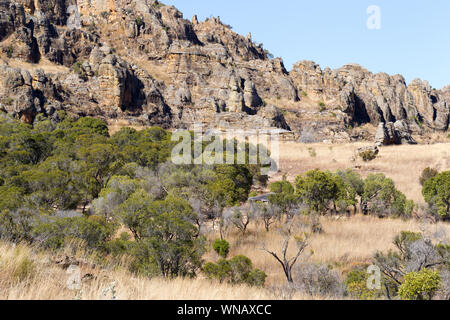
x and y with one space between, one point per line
26 272
139 62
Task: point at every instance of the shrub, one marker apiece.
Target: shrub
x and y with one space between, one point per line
322 106
10 51
139 21
281 187
220 271
356 284
222 247
240 217
78 69
436 192
318 280
420 285
238 270
368 155
119 246
17 225
414 253
256 278
427 174
268 212
93 230
105 14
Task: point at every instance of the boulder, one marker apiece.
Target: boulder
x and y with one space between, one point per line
16 93
393 133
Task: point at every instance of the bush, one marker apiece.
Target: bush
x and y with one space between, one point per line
238 270
281 187
10 51
95 231
356 284
318 280
436 192
415 253
322 106
222 247
220 271
427 174
17 225
256 278
368 155
420 285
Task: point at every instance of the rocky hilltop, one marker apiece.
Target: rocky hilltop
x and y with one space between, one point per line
140 62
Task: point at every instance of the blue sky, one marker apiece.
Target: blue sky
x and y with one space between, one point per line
414 39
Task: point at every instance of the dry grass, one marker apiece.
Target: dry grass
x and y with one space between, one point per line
344 242
27 273
403 164
44 64
115 125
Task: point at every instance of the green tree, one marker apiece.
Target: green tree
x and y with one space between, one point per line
317 189
283 197
351 186
91 126
381 197
436 192
135 212
95 231
165 234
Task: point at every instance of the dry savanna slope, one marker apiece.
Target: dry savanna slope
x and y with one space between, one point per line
403 163
27 273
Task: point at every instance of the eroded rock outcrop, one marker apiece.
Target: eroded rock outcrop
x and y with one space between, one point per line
141 61
393 133
16 93
373 98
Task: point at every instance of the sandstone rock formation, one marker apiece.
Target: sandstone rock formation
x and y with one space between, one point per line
141 61
393 133
16 93
373 98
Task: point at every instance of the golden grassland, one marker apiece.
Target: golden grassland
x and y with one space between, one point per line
403 164
27 273
344 242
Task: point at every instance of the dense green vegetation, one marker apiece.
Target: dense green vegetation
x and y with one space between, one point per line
71 181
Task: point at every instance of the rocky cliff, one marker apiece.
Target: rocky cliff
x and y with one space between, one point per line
140 61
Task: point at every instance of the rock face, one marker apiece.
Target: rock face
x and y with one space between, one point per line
373 98
393 133
141 61
16 93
